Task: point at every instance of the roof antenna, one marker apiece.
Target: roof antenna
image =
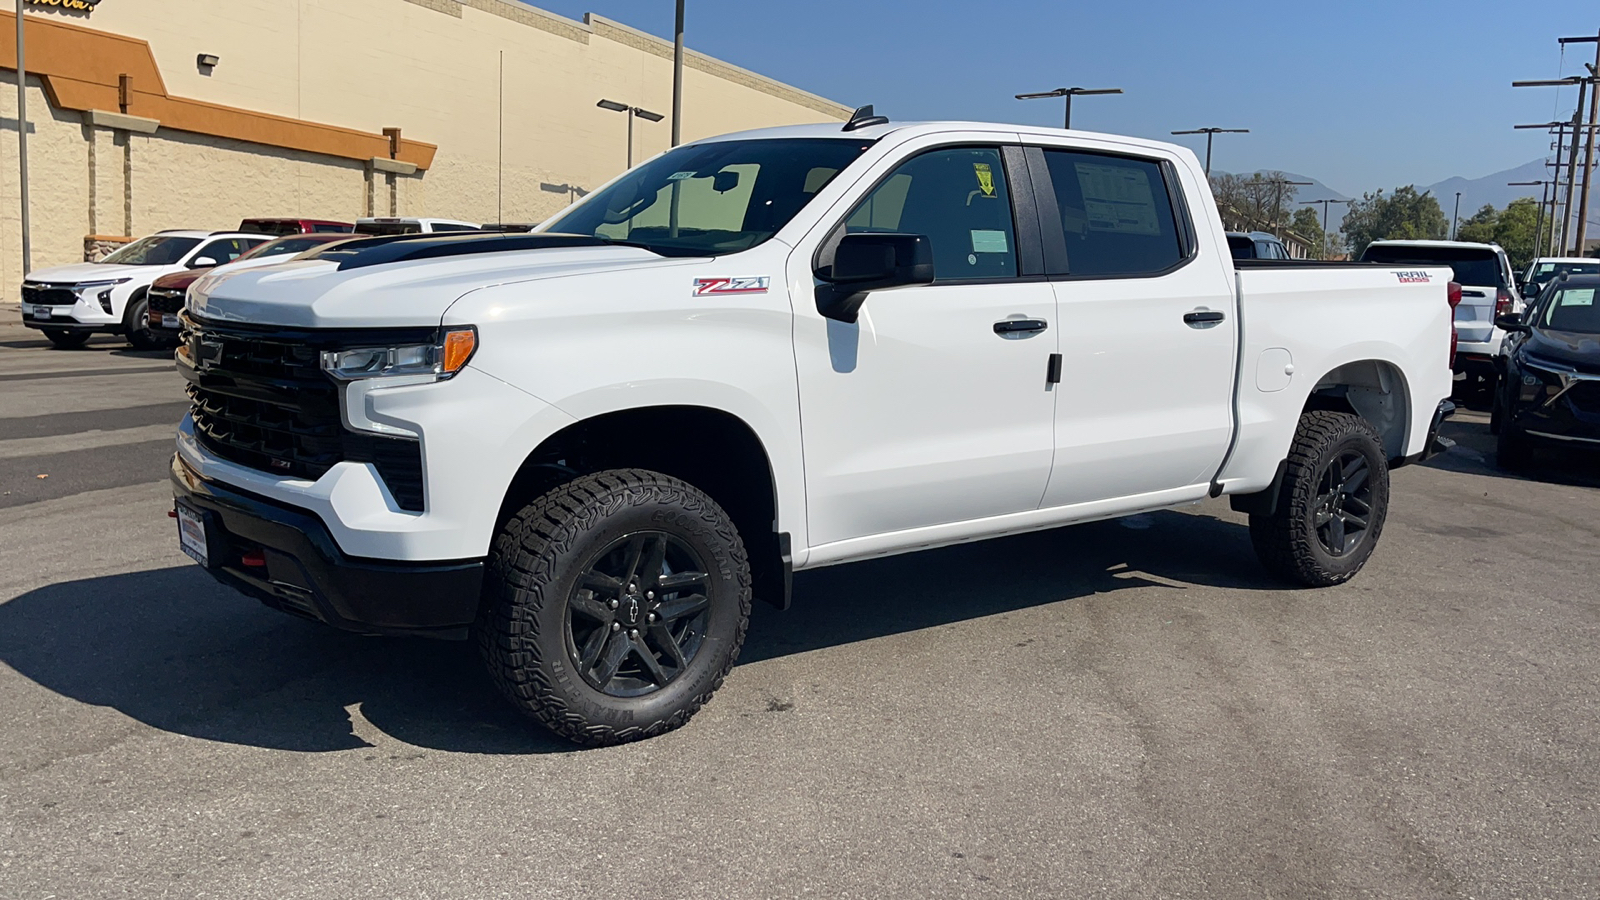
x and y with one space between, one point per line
863 117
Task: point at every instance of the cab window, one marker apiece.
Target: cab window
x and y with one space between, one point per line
1116 214
958 198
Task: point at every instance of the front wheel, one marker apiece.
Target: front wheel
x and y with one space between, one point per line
136 326
1332 505
63 339
614 606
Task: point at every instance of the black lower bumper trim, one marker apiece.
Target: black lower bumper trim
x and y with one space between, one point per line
302 571
1435 444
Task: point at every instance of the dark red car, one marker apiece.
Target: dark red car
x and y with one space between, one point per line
295 226
166 294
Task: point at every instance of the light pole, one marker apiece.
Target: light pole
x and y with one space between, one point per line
1578 125
22 143
1538 230
1209 133
1068 93
677 79
1324 220
631 112
1455 216
1559 214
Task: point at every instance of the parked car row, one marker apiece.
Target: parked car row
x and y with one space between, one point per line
138 290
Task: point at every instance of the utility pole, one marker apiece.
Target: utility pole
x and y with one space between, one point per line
1324 203
22 145
1455 216
1556 238
1277 202
1210 133
1588 141
1538 230
1068 93
677 81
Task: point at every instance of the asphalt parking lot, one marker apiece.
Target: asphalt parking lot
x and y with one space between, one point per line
1123 709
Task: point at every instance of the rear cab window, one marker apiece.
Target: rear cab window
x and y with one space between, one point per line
1117 214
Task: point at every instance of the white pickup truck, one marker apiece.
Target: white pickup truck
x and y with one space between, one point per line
592 445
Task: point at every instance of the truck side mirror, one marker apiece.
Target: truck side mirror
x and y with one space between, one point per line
867 262
1511 323
201 262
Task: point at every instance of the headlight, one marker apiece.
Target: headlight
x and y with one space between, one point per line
107 284
441 360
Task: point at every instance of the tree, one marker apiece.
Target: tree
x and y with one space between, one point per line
1515 231
1256 202
1480 227
1307 225
1403 215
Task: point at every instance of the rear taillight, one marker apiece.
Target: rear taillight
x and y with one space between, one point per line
1452 295
1502 303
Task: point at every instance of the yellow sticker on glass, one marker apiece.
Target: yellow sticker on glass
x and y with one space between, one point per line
985 178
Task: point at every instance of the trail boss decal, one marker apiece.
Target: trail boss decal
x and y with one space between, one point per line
1413 277
751 285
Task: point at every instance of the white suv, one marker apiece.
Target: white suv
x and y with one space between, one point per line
387 225
1487 290
69 303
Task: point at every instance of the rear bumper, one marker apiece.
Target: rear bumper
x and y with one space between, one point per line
303 572
1473 362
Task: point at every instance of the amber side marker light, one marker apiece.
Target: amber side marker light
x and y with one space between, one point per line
458 348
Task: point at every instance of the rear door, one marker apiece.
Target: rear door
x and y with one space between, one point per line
1147 331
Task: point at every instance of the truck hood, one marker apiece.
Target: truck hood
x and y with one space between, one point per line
79 273
316 293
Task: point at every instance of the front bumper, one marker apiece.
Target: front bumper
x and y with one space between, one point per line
302 571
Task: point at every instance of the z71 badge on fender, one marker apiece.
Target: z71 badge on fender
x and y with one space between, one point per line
753 285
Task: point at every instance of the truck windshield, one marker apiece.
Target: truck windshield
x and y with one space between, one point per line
1474 266
156 250
710 199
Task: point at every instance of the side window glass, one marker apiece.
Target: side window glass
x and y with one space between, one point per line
959 199
223 251
1116 214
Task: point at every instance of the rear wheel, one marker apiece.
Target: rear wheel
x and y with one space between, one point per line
614 606
1332 505
66 340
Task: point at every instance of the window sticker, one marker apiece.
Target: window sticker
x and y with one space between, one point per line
985 178
989 241
1118 199
679 176
1577 297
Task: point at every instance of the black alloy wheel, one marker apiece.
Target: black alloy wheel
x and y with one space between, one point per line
1343 505
637 616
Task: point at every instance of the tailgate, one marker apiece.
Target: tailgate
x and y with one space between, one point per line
1475 314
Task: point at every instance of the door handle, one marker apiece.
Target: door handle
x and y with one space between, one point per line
1020 326
1203 317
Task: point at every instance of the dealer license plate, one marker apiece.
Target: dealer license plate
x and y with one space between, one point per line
192 534
41 312
169 320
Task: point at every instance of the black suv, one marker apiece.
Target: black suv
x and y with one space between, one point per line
1550 390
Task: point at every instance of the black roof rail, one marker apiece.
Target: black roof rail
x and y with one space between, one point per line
376 250
863 117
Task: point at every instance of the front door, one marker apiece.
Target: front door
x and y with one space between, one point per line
924 412
1147 336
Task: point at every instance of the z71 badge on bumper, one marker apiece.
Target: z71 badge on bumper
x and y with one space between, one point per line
750 285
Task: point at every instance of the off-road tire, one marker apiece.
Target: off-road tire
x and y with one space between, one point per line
64 339
136 326
533 569
1513 451
1287 541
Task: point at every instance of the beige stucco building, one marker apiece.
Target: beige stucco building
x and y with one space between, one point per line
494 102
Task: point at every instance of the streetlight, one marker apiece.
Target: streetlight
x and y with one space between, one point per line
1455 216
1324 220
1538 230
631 112
1068 93
1209 132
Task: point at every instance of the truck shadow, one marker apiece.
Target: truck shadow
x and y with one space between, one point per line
172 649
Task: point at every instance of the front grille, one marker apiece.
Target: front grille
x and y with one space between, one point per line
165 300
263 401
48 295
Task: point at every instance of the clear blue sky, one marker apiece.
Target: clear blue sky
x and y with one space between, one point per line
1359 94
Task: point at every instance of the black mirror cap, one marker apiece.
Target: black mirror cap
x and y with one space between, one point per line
866 262
1512 322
